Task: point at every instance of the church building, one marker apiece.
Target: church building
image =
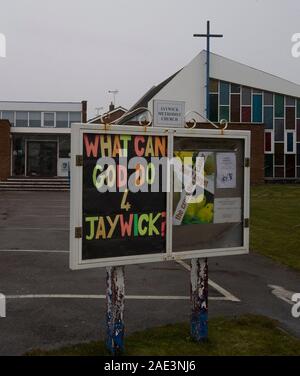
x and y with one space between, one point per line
245 97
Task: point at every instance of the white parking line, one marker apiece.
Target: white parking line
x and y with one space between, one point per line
34 250
130 297
34 228
227 295
48 216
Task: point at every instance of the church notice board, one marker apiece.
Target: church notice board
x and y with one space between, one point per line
137 194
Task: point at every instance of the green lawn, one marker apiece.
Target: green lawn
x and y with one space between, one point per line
275 222
245 335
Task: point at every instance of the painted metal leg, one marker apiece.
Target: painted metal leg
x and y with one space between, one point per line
115 291
199 299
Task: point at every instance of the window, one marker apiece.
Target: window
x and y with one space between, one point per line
213 108
257 108
268 98
35 119
246 114
290 101
75 117
62 120
10 116
290 117
49 119
268 117
269 142
224 93
235 112
21 119
246 96
279 105
213 86
279 129
269 166
279 153
290 142
224 112
235 89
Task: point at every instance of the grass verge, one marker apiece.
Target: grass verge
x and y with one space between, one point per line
275 222
244 335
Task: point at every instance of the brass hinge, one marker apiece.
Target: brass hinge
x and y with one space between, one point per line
247 162
246 222
78 232
79 160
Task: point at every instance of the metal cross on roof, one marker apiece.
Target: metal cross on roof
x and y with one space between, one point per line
208 35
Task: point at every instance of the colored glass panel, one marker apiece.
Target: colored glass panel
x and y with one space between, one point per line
298 172
213 109
290 165
279 172
290 101
236 89
224 93
235 112
290 118
213 86
268 98
268 142
246 114
279 130
279 154
298 108
257 91
298 154
268 165
246 96
224 112
257 108
298 130
290 142
268 117
279 105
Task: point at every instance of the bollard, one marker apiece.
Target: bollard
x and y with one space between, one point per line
115 290
199 299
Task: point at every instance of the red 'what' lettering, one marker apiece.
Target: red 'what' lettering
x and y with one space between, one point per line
91 147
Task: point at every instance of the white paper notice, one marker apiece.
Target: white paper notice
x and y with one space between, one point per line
227 210
226 170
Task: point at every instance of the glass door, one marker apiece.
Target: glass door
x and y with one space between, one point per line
41 158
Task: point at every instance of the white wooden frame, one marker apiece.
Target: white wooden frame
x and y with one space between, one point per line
271 131
78 130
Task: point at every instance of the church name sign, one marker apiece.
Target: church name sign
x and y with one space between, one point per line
168 113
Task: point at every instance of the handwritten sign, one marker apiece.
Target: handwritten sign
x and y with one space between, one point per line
117 221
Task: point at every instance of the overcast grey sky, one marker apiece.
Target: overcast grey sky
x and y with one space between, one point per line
69 50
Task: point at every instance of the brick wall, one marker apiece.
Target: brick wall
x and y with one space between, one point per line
4 149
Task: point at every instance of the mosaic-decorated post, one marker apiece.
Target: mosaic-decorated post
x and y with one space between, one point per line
115 291
199 299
